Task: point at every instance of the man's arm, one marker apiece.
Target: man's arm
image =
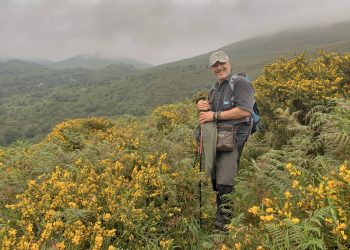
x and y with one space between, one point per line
244 101
233 114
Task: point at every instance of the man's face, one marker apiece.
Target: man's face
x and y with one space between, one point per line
221 70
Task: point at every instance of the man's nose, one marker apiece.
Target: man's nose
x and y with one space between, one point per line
219 68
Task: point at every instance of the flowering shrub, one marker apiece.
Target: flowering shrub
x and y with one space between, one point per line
301 82
95 206
131 197
71 133
174 114
309 215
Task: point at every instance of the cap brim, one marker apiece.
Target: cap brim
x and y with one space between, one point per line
222 61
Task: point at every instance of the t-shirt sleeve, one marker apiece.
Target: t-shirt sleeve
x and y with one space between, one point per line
244 95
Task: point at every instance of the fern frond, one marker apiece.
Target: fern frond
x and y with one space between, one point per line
336 141
276 236
314 244
320 215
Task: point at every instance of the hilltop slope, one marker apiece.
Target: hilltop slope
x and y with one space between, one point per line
95 62
137 92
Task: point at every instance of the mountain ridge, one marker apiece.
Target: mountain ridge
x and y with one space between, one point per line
83 61
96 62
117 91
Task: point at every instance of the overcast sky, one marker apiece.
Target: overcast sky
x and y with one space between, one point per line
154 31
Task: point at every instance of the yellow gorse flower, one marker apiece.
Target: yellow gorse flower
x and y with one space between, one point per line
98 242
224 247
166 243
288 195
267 202
295 220
238 246
295 184
292 170
254 210
270 210
267 217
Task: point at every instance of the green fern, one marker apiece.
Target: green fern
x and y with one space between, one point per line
275 236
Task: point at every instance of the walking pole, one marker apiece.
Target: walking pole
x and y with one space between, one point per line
200 180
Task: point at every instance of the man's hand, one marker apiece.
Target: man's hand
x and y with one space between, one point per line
206 117
203 105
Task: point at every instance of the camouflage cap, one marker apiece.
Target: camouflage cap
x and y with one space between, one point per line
218 56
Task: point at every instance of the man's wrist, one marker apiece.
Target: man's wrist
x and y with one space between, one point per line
218 116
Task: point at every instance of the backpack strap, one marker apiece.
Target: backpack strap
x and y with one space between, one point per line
233 81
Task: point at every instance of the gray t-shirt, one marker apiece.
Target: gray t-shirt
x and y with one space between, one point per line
244 94
222 97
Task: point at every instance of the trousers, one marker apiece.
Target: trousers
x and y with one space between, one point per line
226 168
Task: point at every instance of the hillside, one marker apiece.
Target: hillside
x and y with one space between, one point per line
125 90
252 54
95 62
21 77
133 182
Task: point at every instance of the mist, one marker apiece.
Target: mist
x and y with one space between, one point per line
153 31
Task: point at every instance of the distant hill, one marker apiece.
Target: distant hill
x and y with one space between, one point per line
120 89
95 62
18 76
39 61
21 77
177 80
252 54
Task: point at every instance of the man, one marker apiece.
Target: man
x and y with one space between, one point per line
227 106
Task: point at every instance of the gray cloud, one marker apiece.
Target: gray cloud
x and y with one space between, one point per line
155 31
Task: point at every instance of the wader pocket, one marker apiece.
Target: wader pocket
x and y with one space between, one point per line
226 137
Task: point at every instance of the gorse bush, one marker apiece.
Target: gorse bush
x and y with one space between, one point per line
305 216
72 132
98 205
128 197
171 115
301 82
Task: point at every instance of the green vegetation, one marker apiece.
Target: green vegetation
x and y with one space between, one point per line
94 62
132 182
34 98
